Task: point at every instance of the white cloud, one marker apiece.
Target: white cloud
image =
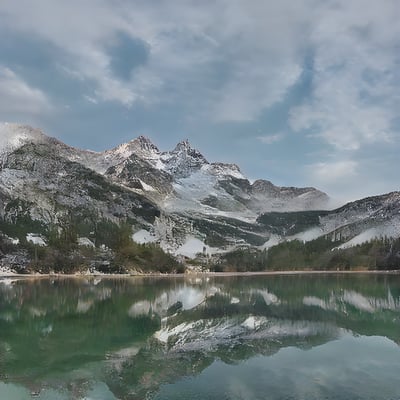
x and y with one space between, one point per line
344 122
270 139
229 59
354 98
16 96
350 179
340 179
80 30
329 172
90 99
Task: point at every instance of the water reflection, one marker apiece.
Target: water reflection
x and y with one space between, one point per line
132 338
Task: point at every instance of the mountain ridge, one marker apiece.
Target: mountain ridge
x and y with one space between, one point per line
175 198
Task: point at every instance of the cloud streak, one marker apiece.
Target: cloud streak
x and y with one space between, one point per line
270 139
354 98
188 42
16 96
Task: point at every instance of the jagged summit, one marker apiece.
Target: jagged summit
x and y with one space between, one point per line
144 143
184 149
141 146
183 160
226 169
183 145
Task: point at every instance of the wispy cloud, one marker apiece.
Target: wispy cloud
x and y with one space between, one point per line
329 172
355 82
234 61
270 139
16 96
220 56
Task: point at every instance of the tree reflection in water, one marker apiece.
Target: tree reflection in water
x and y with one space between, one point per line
126 338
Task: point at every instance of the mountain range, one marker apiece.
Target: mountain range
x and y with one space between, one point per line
174 198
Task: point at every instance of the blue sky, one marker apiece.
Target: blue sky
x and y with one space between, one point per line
303 93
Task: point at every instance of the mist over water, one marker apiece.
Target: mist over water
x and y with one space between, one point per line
256 337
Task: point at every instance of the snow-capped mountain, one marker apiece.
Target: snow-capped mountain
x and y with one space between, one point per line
354 223
176 198
189 183
41 178
365 219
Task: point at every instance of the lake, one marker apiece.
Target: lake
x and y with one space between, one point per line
239 337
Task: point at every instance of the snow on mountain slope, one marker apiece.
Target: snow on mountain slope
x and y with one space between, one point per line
182 180
360 215
36 180
183 160
141 147
354 223
192 192
194 246
390 229
185 201
137 177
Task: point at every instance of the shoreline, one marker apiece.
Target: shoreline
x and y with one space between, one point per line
196 274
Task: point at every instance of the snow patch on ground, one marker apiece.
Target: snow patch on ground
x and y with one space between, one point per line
6 271
84 241
35 239
308 235
143 237
193 246
272 241
12 240
305 236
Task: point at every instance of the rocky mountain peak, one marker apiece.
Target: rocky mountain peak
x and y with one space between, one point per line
183 160
225 169
141 146
182 146
184 150
144 143
262 185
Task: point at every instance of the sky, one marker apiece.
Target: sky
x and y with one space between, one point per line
302 93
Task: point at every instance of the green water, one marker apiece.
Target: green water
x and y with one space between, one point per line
260 337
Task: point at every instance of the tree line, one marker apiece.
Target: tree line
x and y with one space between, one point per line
318 254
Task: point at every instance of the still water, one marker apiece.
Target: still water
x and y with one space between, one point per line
259 337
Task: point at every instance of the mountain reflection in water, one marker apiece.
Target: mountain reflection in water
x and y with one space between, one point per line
292 336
